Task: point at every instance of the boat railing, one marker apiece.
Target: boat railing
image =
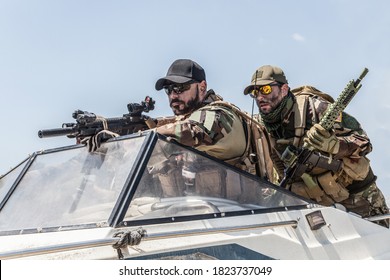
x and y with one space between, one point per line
154 236
378 217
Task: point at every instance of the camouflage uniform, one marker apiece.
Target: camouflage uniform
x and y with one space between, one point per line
209 129
218 129
207 123
354 185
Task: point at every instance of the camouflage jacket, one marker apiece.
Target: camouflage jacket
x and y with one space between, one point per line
355 173
214 129
354 142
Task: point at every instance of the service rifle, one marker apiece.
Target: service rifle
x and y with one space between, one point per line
89 124
299 161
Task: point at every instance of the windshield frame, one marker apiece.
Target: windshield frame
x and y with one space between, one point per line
134 177
120 222
131 180
120 206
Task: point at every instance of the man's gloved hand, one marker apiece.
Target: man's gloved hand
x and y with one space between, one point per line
94 142
323 140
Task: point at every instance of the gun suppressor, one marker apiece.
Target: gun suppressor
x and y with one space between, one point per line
55 132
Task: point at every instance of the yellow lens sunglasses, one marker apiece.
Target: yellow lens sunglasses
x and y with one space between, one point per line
265 90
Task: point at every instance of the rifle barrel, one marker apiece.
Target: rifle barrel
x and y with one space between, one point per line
362 75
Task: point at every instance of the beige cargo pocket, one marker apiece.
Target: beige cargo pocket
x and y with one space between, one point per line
356 169
312 192
332 188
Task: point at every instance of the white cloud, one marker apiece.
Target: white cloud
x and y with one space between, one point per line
298 37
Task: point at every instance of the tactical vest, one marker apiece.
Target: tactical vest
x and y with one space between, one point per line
322 185
256 158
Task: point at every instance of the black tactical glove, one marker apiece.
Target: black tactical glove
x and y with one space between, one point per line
94 142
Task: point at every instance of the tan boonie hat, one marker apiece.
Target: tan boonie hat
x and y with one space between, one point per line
266 75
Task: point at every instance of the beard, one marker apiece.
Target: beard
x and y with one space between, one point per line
180 107
269 105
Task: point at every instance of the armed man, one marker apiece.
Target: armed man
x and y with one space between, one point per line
198 121
338 170
204 121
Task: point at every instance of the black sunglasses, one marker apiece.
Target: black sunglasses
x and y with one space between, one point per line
178 88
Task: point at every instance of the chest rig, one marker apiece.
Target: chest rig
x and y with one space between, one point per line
321 185
257 158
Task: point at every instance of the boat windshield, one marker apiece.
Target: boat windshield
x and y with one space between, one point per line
7 180
182 182
130 179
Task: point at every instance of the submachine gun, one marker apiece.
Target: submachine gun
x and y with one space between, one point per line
299 161
88 124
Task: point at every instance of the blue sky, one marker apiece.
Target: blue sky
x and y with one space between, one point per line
59 56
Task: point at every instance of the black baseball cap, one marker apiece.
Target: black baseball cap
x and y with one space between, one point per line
182 71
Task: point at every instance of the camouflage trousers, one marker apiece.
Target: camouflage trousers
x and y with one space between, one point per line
367 203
